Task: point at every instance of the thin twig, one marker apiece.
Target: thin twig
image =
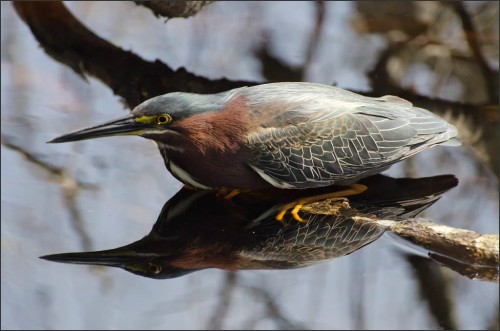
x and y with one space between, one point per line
229 283
69 185
470 35
273 310
315 36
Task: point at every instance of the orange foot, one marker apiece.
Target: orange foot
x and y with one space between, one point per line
297 205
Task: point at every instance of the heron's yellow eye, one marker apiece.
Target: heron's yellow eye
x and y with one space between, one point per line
154 268
163 119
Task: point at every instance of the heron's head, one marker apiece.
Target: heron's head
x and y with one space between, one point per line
155 118
137 261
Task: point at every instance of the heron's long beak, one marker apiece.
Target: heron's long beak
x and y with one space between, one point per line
123 126
111 258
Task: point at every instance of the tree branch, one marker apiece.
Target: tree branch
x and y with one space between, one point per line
470 35
477 124
435 289
315 36
221 311
273 310
468 253
70 187
172 9
65 39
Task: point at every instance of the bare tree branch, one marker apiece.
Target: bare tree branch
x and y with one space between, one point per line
71 188
273 310
315 36
494 322
477 124
229 283
471 36
470 254
172 9
65 39
275 69
435 290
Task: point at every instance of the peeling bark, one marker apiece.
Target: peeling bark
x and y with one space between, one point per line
467 252
172 9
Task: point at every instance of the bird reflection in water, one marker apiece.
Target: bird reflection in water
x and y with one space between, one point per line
200 229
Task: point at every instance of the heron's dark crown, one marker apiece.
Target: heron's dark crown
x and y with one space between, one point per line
182 105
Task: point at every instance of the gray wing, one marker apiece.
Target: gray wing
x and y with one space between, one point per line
340 146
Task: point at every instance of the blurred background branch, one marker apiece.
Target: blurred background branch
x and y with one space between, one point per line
171 9
471 36
272 310
71 189
415 36
434 289
222 308
68 41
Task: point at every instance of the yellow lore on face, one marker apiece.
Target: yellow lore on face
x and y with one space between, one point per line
161 119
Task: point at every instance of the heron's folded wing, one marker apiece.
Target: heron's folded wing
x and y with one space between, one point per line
318 153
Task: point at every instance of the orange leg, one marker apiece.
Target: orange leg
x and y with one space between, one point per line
228 194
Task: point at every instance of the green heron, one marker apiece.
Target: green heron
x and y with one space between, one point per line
284 135
196 230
